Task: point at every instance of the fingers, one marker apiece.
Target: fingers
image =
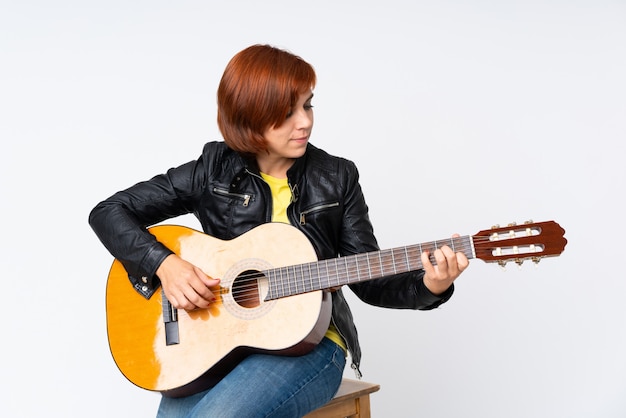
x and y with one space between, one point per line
447 266
198 293
185 285
462 261
208 281
446 260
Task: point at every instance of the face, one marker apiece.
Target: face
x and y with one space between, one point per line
289 140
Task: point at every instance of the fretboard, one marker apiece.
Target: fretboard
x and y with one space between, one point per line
325 274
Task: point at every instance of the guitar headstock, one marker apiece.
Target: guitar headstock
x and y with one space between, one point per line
518 243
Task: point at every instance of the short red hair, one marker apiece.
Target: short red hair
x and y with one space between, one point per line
260 86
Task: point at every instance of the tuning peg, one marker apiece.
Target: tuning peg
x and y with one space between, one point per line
496 226
502 263
512 224
530 221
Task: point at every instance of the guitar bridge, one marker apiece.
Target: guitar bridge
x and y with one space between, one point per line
170 320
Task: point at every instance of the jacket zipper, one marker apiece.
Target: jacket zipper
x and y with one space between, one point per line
355 367
314 209
269 215
244 197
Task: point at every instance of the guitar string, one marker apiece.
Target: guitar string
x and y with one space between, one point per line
248 283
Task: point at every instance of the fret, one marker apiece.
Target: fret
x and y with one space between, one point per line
310 282
429 247
356 267
352 270
414 254
442 242
273 281
299 280
386 263
333 272
286 285
319 276
408 260
269 274
377 264
322 267
289 281
363 267
307 278
464 245
400 260
283 278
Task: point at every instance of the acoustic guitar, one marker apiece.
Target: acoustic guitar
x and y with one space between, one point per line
272 297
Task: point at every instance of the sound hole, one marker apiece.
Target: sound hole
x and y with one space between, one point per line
248 287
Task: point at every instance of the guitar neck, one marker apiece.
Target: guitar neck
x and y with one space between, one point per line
325 274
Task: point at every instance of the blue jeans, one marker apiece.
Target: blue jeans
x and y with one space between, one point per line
265 385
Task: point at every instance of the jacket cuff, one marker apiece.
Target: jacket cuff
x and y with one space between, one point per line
430 300
147 282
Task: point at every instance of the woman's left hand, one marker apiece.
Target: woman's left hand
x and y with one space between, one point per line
449 265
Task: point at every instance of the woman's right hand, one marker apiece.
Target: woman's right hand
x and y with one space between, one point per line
185 285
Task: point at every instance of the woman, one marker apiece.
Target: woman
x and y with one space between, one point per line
265 170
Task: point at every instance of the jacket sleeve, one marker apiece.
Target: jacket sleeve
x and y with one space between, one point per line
401 291
121 221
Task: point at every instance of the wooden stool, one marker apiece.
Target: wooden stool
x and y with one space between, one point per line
351 401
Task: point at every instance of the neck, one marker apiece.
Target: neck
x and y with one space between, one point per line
275 167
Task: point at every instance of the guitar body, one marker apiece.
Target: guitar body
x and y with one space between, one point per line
212 341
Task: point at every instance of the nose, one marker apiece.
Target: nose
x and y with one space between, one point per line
304 119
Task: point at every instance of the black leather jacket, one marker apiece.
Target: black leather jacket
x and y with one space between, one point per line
227 194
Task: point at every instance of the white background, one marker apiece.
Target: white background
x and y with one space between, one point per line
459 114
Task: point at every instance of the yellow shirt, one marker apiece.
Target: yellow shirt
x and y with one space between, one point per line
281 198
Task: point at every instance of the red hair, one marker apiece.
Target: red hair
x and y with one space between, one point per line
260 86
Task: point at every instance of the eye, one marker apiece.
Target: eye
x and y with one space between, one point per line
306 106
